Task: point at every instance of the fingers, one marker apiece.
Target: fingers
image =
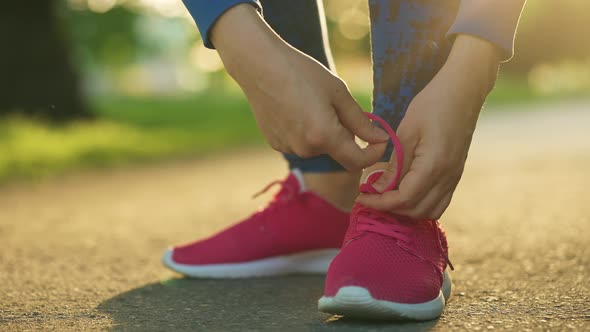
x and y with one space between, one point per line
351 156
336 138
432 206
283 148
417 182
413 188
381 202
333 139
277 143
438 211
352 117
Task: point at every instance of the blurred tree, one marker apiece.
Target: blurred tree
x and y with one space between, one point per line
38 77
106 39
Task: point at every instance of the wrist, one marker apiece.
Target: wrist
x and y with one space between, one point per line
246 44
472 65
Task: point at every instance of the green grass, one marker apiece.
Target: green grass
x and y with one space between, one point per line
133 130
128 130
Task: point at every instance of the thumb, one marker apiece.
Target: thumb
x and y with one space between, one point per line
388 176
352 117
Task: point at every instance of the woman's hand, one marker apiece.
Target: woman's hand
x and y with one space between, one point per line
436 133
300 106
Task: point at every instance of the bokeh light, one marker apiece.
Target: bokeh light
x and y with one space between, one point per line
163 32
205 59
101 6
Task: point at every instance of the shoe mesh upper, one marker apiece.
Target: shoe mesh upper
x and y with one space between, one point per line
294 221
395 258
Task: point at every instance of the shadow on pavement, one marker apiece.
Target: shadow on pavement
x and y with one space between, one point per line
267 304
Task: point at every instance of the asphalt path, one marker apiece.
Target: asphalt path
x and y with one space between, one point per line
81 252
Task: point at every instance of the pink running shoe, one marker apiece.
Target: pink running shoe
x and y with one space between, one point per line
390 267
298 232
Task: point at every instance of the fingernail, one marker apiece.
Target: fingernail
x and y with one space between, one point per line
379 185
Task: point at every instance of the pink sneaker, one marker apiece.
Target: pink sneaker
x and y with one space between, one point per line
390 267
298 232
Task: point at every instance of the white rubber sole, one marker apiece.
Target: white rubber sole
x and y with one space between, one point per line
357 302
308 262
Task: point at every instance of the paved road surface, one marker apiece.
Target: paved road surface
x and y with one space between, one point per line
82 252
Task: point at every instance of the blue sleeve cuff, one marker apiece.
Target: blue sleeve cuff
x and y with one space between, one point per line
493 20
206 12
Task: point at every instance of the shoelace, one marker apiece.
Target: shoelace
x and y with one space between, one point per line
286 193
370 220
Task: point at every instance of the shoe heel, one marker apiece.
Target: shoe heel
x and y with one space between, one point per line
447 286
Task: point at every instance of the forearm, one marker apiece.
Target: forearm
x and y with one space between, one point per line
207 12
470 70
247 46
493 20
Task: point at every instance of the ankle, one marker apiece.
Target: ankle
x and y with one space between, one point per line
338 188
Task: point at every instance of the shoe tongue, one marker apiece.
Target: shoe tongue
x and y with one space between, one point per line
295 180
367 186
289 187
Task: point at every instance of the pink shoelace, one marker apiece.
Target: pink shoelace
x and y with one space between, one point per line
370 220
287 193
